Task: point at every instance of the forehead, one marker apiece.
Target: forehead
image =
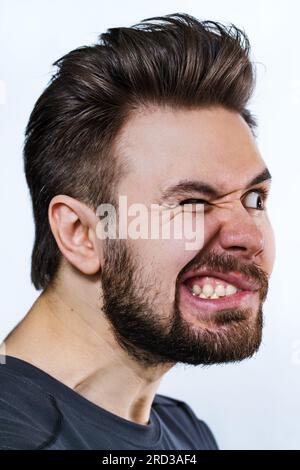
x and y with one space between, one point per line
164 146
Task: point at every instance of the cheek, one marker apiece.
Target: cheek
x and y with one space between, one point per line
181 237
165 258
162 261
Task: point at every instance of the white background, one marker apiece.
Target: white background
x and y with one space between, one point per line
253 405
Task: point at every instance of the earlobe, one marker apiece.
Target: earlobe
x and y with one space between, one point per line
72 223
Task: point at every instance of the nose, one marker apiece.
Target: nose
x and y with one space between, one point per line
241 235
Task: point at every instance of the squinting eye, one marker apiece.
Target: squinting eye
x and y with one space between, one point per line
255 200
194 204
193 201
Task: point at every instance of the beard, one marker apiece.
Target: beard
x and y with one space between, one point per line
153 337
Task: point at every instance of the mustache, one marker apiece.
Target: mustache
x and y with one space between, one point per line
224 263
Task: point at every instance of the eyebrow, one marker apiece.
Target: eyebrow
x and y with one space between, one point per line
192 186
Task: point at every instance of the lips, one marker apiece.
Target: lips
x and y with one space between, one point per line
235 278
192 306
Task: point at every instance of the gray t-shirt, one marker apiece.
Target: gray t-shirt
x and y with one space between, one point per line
39 412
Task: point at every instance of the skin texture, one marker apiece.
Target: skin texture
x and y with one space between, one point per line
76 318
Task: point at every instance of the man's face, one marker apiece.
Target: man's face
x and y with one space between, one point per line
170 304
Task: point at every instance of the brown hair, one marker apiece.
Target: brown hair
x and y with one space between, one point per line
174 60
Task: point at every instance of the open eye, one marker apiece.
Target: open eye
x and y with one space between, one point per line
256 199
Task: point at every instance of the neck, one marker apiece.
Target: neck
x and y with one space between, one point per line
63 323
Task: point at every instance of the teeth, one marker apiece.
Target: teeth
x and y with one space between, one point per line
220 290
197 289
230 289
214 296
208 290
202 296
213 293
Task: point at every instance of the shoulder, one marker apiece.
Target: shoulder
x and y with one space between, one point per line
176 409
28 415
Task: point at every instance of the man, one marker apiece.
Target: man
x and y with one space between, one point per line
155 113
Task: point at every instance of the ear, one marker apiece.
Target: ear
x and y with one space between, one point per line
73 225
